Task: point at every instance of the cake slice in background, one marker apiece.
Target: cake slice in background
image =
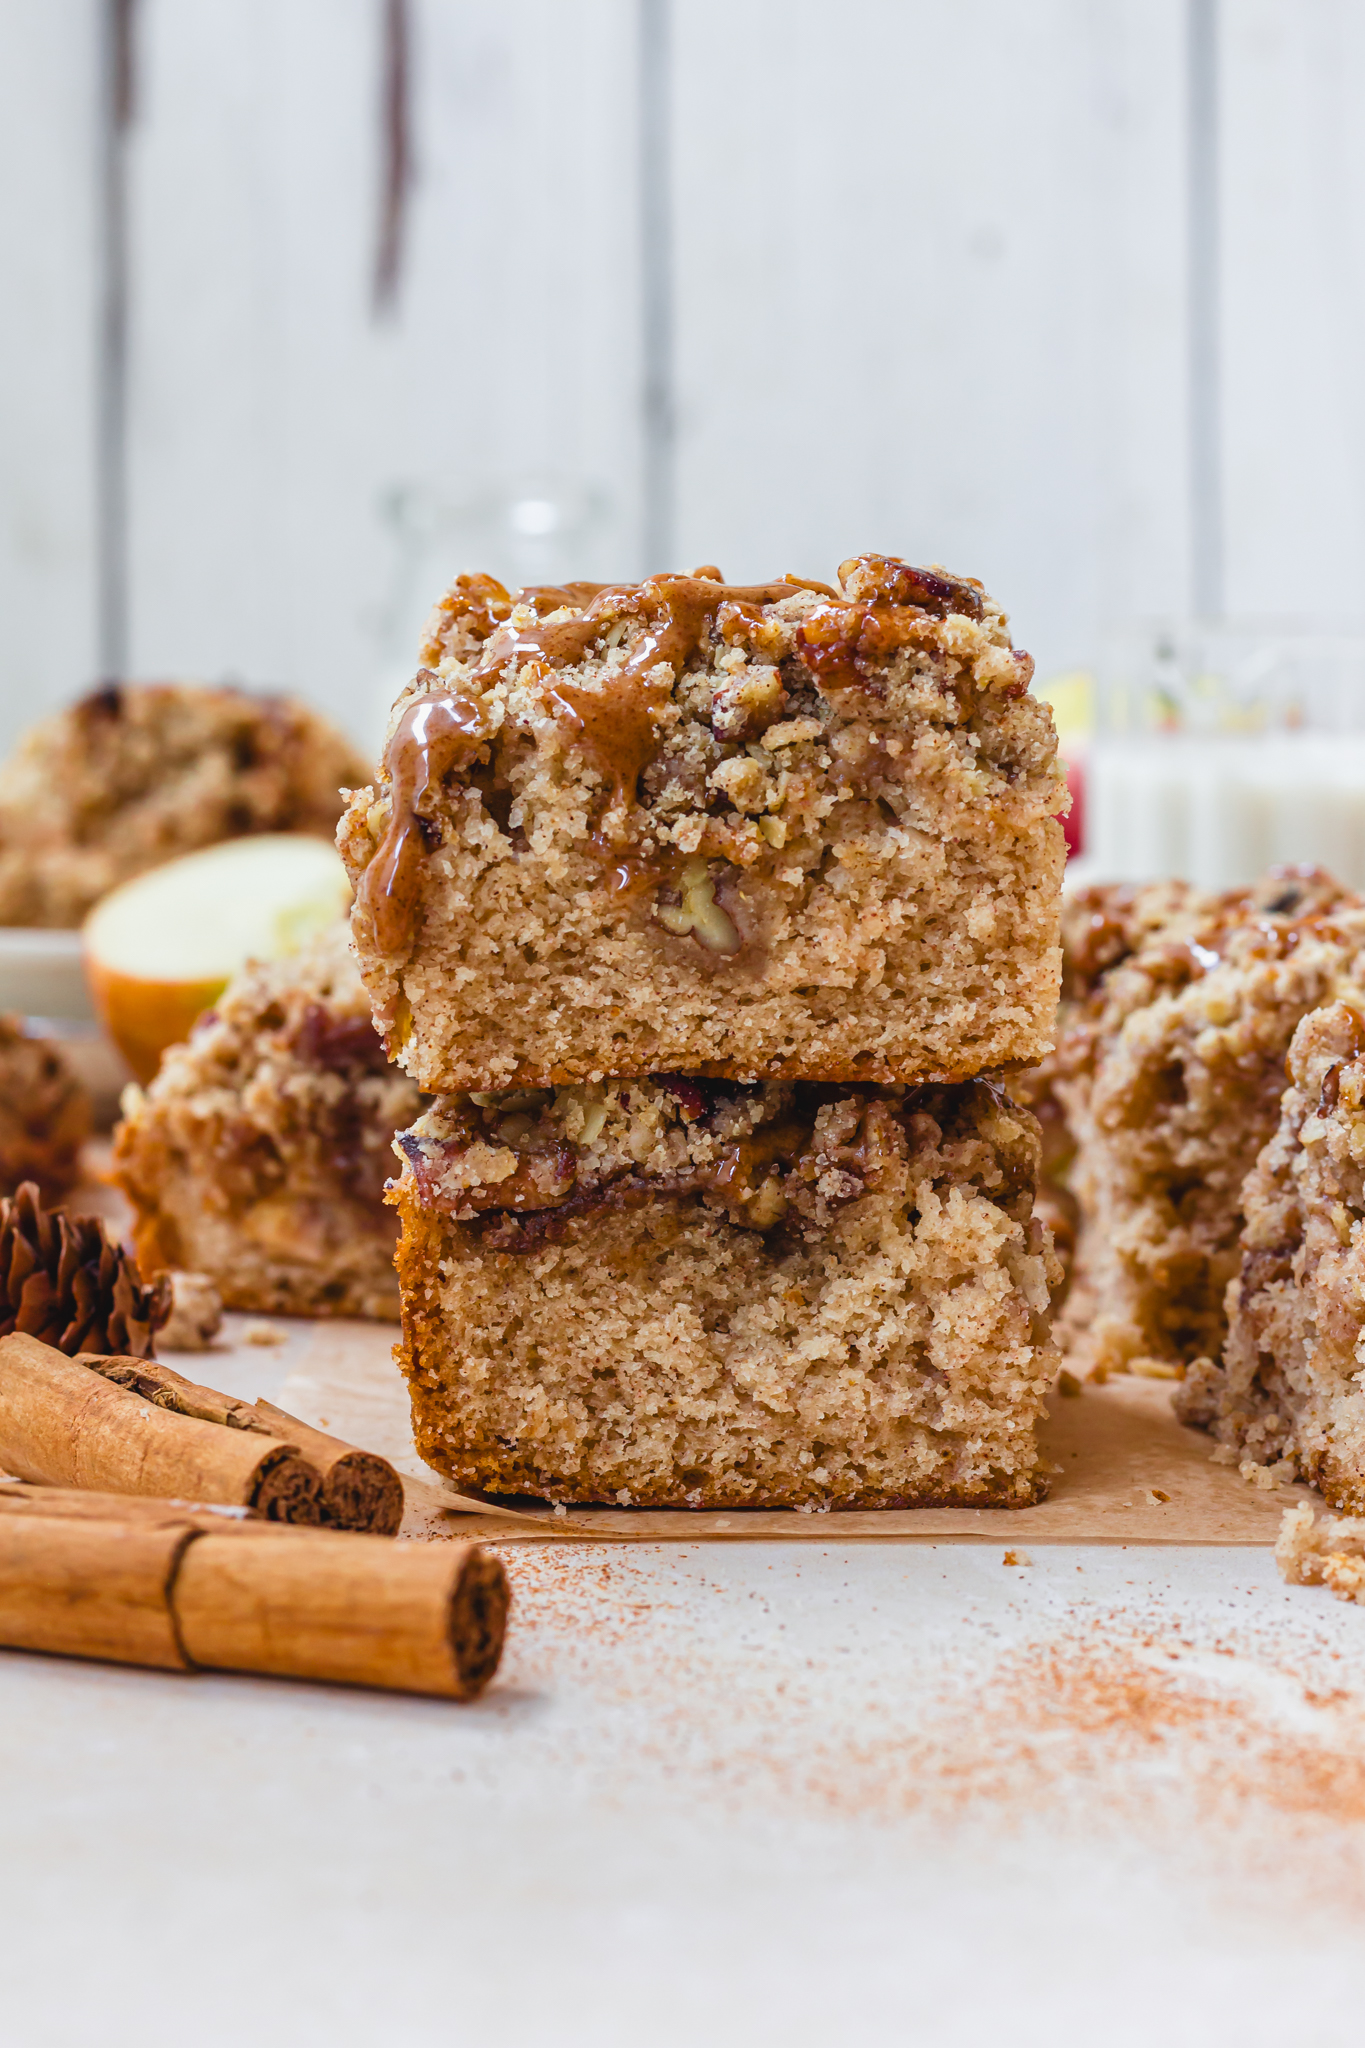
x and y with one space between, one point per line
1102 925
688 826
136 773
699 1293
45 1113
1288 1392
1170 1080
258 1155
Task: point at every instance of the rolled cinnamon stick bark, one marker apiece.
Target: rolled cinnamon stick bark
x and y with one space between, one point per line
359 1489
288 1603
64 1425
20 1497
92 1588
157 1383
356 1610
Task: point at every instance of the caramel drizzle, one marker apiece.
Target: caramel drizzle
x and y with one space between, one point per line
613 725
437 733
844 644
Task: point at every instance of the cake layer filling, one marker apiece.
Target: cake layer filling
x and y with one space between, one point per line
794 1294
772 1156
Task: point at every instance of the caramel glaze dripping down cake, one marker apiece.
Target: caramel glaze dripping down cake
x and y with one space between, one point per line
778 829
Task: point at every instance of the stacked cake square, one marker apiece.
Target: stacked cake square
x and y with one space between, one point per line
713 917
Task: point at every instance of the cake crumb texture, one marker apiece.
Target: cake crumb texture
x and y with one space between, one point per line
196 1316
785 829
258 1155
695 1293
1322 1550
1287 1395
45 1113
137 773
1170 1075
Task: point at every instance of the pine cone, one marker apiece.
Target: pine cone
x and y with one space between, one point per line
65 1281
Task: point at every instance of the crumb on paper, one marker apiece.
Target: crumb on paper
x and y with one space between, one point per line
1016 1557
1155 1369
1157 1496
262 1333
196 1315
1113 1344
1279 1471
1327 1550
1068 1384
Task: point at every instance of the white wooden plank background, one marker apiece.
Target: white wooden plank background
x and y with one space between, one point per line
306 475
928 292
48 333
931 296
1293 180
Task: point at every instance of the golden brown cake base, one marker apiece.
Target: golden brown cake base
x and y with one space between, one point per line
258 1155
716 1297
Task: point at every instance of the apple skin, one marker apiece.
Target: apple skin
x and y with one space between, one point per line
144 1017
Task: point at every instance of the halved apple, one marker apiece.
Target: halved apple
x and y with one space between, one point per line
161 948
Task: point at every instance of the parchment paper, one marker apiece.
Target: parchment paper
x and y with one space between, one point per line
1127 1471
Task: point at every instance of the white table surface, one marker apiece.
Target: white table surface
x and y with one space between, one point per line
741 1793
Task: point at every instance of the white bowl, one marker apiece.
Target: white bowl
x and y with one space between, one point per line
41 974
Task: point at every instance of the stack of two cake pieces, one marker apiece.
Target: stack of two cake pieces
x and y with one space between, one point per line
715 917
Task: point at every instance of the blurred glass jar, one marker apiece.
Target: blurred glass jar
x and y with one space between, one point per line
1220 751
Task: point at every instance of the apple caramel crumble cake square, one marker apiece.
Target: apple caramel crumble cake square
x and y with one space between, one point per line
785 830
45 1113
258 1155
700 1293
137 773
1171 1082
1288 1392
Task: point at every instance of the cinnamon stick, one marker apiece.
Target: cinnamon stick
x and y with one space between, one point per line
63 1425
92 1588
133 1425
358 1610
359 1489
291 1603
19 1497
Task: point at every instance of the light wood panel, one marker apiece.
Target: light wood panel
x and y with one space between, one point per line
931 295
306 473
1293 227
48 305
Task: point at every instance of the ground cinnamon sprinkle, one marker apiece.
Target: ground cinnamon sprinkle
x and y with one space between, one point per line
1239 1744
